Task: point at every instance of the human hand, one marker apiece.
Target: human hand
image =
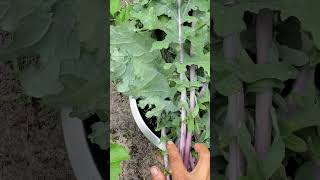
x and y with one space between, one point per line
179 172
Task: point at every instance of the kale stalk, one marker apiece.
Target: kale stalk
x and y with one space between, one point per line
182 77
193 77
236 111
263 128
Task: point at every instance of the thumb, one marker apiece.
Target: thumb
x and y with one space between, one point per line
157 174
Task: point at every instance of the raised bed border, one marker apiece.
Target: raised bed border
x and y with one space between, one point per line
154 139
79 153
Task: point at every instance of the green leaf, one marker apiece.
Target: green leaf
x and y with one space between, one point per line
190 123
201 60
274 157
199 41
160 104
227 85
181 68
303 118
91 19
254 170
134 65
145 63
99 134
203 5
306 13
295 143
31 30
148 17
17 10
4 6
115 6
228 17
307 42
314 57
117 155
227 76
273 161
164 44
195 111
280 174
314 146
42 81
250 72
115 171
295 57
280 102
60 43
224 141
260 85
305 171
80 78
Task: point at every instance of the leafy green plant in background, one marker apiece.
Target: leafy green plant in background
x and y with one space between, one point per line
160 56
266 82
117 155
120 10
57 50
119 13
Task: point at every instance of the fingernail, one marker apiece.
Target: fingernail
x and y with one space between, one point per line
170 143
154 171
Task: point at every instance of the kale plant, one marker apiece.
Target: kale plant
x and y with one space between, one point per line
266 107
58 52
160 56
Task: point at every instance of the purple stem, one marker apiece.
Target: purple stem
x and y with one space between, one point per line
303 81
192 162
264 37
182 77
236 111
235 116
182 138
193 77
192 105
187 149
203 89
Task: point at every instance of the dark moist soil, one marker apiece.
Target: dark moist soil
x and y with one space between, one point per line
31 140
99 155
125 131
150 122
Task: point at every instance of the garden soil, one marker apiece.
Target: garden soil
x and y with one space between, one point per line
31 140
124 131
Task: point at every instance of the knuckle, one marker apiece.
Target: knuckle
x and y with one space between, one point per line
206 155
174 158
